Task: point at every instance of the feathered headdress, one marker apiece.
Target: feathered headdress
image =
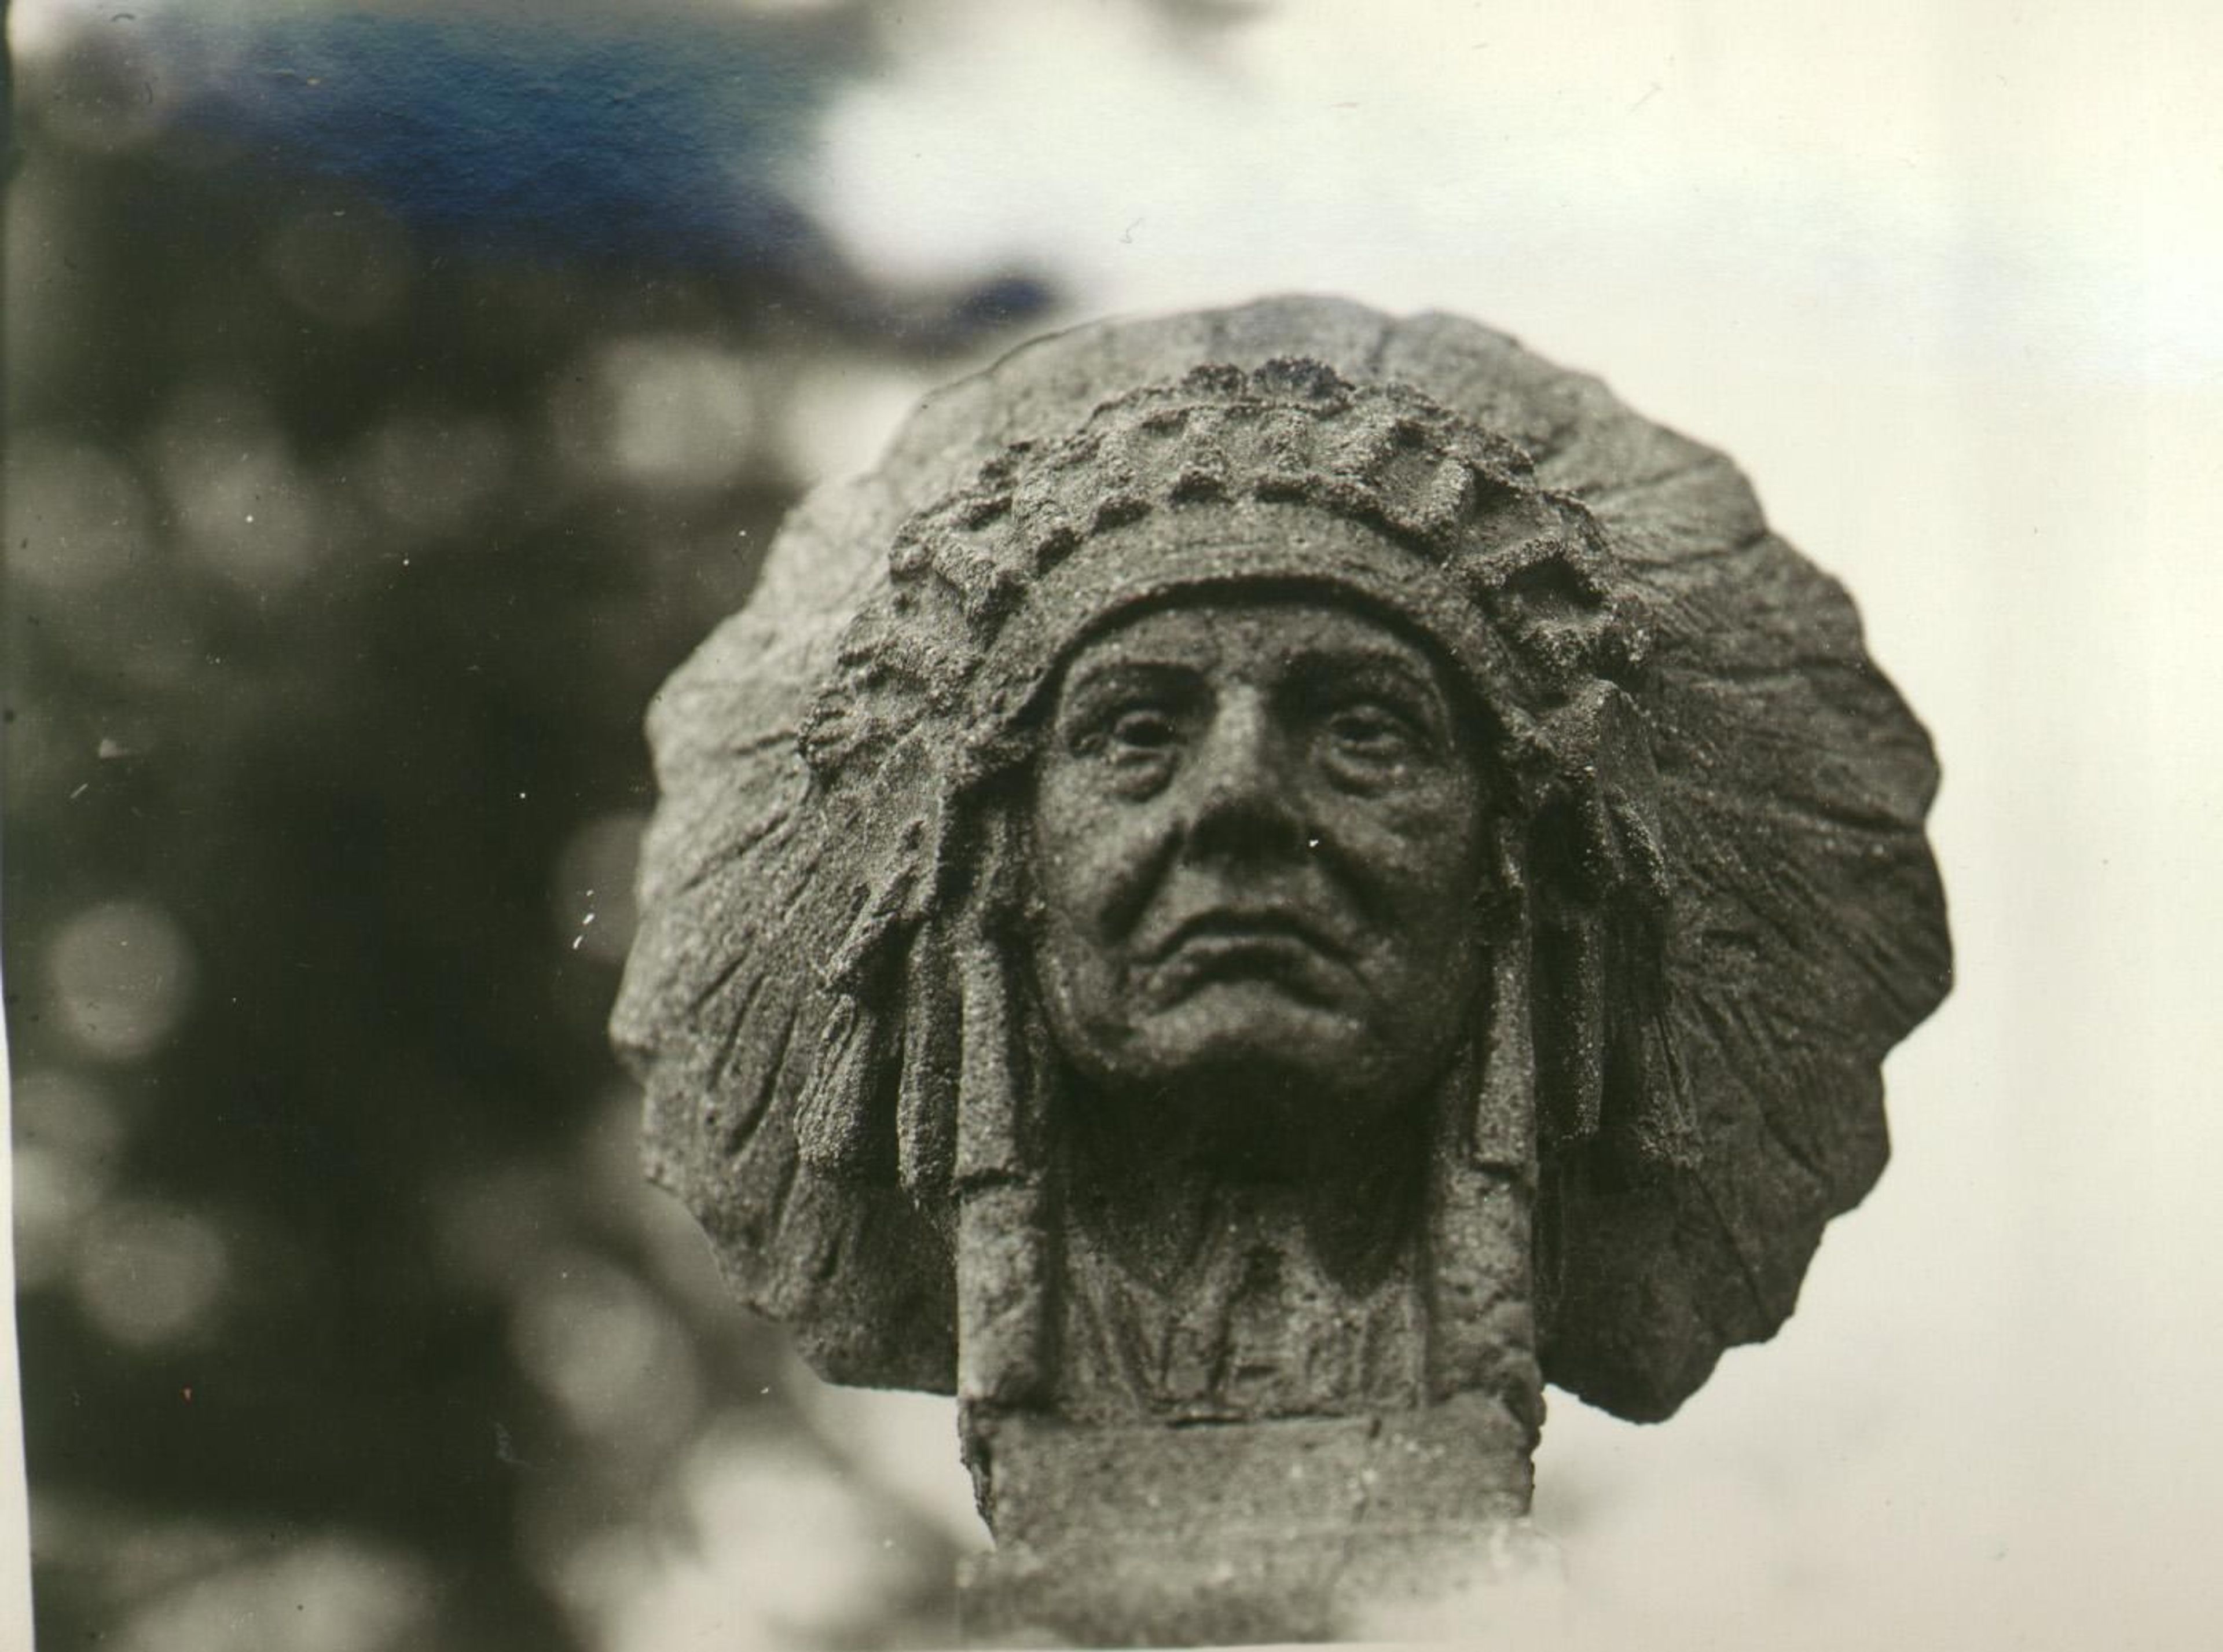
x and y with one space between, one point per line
1732 913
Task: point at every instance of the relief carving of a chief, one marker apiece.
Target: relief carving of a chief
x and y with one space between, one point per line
1270 883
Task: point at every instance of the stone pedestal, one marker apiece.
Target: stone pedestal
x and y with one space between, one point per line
1297 1530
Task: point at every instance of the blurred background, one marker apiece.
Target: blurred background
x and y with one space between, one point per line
396 391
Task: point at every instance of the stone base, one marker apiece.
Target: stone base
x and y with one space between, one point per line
1299 1530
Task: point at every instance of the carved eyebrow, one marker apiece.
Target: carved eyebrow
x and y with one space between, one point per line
1095 681
1377 665
1086 675
1414 691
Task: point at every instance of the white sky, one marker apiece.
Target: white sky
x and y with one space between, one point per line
2028 167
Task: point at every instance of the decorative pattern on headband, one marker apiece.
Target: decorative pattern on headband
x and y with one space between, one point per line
1548 617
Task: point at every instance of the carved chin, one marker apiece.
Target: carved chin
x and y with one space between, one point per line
1253 1050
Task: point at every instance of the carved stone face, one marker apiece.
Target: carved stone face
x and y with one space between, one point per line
1257 832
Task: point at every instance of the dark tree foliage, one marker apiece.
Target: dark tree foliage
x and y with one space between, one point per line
351 772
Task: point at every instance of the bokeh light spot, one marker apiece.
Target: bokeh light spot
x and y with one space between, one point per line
787 1552
905 1436
247 510
677 412
66 1130
150 1274
607 1353
105 91
842 413
335 1594
121 975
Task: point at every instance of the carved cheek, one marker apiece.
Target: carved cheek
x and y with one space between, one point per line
1413 854
1099 854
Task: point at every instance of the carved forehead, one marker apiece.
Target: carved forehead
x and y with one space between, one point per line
1286 559
1264 634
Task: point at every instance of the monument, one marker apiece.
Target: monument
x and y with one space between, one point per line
1271 881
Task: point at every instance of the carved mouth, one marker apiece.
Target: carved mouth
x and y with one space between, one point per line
1233 936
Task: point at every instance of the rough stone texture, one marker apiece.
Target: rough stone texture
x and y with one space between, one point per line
1702 911
1290 1529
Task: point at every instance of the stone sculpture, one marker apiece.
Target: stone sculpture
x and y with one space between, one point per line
1272 881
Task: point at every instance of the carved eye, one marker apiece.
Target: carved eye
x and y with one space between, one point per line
1137 738
1141 729
1371 733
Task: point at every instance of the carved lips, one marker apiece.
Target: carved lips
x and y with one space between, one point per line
1277 945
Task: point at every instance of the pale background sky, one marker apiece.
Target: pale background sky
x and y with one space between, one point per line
1944 281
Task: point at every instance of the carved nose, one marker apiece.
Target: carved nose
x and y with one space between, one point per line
1245 803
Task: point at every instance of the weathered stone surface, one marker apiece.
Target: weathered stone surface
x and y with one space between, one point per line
1290 1529
1273 870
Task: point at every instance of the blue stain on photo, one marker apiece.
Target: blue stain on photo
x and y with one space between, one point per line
665 143
660 140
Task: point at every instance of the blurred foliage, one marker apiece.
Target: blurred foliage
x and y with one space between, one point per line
392 405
